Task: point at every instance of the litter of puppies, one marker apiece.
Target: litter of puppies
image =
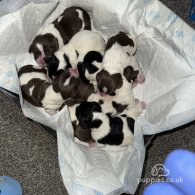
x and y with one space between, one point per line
92 76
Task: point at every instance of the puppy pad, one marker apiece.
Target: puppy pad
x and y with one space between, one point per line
166 54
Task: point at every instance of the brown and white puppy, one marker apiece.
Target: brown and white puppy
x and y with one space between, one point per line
39 92
55 35
74 52
119 98
118 57
105 129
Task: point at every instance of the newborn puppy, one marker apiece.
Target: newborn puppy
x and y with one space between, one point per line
69 55
39 92
55 35
90 66
105 130
118 57
119 98
82 134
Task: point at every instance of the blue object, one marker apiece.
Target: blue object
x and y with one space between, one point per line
181 164
9 186
192 11
162 189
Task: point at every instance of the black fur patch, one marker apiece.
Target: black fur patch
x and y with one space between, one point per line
101 101
77 53
91 68
81 69
96 123
66 58
92 56
52 65
84 113
131 122
115 136
87 64
121 38
119 107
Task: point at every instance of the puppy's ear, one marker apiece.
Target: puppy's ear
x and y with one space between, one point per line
55 44
130 74
31 48
117 78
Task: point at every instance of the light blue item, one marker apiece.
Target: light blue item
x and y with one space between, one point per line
181 164
162 189
9 186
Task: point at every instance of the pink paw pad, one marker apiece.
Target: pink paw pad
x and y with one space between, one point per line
143 104
93 145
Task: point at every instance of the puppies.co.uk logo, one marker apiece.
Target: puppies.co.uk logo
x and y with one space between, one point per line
160 173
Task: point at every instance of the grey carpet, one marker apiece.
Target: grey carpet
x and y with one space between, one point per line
27 153
30 155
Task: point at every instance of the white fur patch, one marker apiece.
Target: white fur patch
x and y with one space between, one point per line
104 129
31 90
52 100
128 136
60 18
82 42
40 47
26 77
66 83
80 13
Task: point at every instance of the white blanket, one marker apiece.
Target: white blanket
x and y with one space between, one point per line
166 53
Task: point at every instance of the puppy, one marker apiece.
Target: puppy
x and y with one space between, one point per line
73 52
55 35
105 129
39 92
117 59
90 66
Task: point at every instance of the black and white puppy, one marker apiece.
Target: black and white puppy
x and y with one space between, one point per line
118 57
105 129
90 66
74 52
53 36
37 90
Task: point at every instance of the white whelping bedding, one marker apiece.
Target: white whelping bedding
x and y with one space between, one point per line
166 54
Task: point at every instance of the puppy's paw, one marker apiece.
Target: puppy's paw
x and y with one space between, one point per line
140 78
142 104
93 145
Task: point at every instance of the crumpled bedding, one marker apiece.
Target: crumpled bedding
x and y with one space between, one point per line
166 54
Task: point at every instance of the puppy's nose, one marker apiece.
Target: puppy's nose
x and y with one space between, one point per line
47 59
74 72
